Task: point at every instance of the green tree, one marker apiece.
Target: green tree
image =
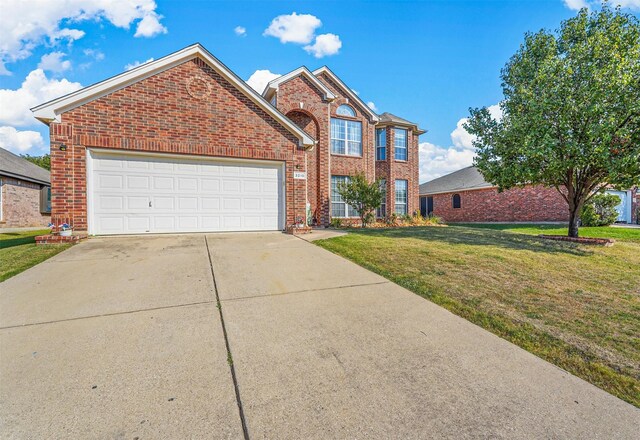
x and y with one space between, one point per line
42 161
365 197
600 210
571 111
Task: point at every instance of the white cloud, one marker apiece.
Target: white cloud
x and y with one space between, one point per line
260 78
461 138
20 141
25 25
240 31
35 89
436 161
576 5
94 53
53 62
136 64
325 45
372 106
150 26
293 28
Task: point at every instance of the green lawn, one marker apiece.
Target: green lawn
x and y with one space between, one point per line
628 234
19 252
576 306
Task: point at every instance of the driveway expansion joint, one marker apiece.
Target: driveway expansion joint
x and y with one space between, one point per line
293 292
126 312
245 430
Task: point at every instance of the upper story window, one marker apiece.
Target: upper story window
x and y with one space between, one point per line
456 201
400 143
346 110
381 143
346 137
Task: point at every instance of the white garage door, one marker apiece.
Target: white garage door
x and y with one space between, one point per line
132 194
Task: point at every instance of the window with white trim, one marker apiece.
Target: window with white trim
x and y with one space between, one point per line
400 143
346 110
338 206
381 212
401 197
381 143
346 137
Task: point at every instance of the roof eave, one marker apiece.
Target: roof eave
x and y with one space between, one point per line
352 95
52 110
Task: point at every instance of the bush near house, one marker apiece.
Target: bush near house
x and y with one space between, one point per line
600 211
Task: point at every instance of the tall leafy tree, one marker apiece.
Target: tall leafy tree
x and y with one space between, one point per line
42 161
571 111
364 196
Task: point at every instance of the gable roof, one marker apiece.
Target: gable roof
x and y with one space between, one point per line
347 90
273 85
390 118
51 111
13 165
461 180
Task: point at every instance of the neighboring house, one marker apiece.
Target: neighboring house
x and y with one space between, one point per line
25 192
464 196
182 144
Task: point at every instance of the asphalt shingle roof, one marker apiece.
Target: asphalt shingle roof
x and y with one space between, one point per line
15 166
461 180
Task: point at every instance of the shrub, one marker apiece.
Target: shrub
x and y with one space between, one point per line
600 210
336 222
392 219
362 195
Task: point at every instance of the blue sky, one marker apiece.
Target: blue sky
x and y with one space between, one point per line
427 61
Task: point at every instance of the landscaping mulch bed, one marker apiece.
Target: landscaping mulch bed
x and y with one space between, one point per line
581 240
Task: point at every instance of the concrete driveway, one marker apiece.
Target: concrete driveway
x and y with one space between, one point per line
122 338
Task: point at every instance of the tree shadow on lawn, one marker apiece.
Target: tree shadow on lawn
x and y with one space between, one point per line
456 235
11 242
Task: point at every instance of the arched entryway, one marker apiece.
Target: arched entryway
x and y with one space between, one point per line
308 123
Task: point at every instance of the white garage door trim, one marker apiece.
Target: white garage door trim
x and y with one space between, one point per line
95 154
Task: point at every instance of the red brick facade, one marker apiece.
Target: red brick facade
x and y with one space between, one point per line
528 204
191 109
21 204
302 102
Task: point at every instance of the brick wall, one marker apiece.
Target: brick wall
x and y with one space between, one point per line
303 103
189 109
21 204
528 204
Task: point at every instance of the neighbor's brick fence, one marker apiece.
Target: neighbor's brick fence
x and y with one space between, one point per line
528 204
21 204
169 113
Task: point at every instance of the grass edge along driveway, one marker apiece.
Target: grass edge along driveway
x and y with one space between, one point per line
575 306
19 251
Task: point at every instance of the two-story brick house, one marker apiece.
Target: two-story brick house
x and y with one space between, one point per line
350 138
182 144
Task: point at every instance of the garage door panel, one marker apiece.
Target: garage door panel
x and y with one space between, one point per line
187 184
210 185
164 203
210 203
163 194
163 182
138 224
138 182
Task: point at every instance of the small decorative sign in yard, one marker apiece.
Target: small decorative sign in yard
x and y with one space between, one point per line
302 175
